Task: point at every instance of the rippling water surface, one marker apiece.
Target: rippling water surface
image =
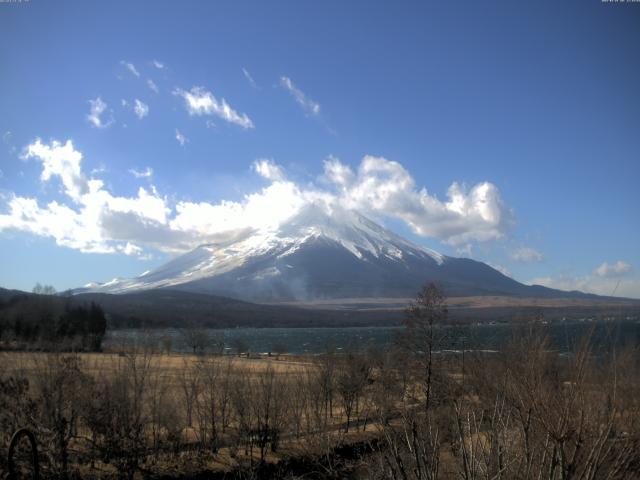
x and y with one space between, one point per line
319 340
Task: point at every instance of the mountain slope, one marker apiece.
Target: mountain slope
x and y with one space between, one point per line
320 254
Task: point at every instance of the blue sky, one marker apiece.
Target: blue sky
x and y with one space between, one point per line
530 110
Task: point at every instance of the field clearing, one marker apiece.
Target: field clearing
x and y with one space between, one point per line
484 301
171 365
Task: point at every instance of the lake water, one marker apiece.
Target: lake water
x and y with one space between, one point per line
312 341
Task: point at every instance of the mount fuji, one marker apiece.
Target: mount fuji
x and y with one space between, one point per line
323 254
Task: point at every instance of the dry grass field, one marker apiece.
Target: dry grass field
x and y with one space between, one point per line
524 412
262 407
171 365
485 301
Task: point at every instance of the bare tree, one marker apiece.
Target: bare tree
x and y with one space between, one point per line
546 416
189 382
421 338
115 413
240 345
58 382
195 338
270 410
300 403
165 425
326 382
241 400
352 378
209 372
44 289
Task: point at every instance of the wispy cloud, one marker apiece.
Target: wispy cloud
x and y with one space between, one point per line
146 173
97 109
159 65
526 255
199 101
268 169
617 279
152 85
131 67
249 78
614 270
7 139
181 138
140 108
305 102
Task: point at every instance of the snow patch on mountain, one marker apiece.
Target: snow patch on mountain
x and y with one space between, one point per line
361 237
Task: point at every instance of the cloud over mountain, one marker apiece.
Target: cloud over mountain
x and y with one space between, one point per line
384 187
96 220
613 270
617 278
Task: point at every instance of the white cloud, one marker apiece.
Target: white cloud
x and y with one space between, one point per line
152 85
614 270
99 221
146 173
130 249
199 101
158 65
526 255
337 173
384 187
263 210
305 102
98 107
181 138
99 169
268 169
465 250
249 78
131 67
61 161
616 280
83 226
141 109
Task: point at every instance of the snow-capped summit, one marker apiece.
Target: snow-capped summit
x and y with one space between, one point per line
353 231
319 253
